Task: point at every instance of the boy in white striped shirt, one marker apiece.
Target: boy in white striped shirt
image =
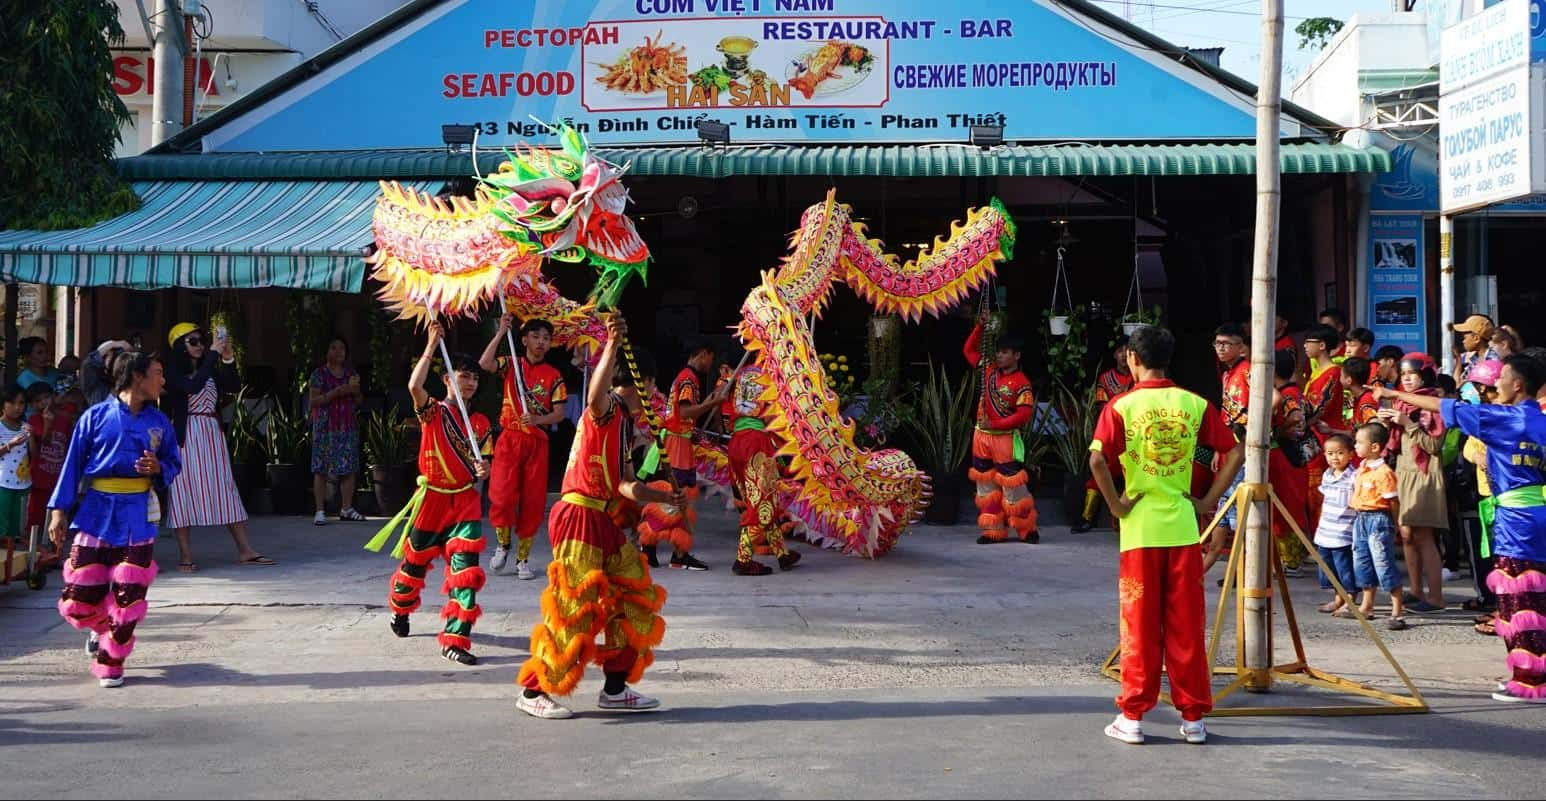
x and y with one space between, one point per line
1334 531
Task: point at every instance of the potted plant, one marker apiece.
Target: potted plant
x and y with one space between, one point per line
245 438
288 438
942 423
1058 317
1071 430
1065 355
389 456
1132 321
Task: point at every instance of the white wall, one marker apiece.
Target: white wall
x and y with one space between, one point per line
1368 43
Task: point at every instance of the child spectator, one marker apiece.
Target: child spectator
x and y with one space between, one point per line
1374 500
51 425
1334 531
15 470
1359 343
1387 363
1417 443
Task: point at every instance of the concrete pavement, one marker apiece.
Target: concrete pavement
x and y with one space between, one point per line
943 669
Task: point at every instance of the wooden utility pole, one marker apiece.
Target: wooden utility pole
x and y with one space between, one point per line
1264 290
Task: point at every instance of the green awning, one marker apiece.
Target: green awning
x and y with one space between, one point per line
210 235
1065 160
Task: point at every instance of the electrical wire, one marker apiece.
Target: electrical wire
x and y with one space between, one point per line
1195 9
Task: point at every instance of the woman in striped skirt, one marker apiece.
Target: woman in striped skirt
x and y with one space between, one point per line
205 493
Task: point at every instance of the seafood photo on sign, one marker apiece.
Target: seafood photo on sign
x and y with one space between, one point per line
646 69
831 68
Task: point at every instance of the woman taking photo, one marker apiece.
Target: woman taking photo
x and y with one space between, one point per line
205 493
335 437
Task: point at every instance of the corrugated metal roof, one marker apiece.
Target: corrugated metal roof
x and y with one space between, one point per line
210 235
890 161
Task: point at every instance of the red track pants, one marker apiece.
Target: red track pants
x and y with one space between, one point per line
1162 625
518 482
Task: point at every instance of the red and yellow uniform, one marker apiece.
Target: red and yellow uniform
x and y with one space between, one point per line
754 466
518 478
598 583
1236 384
1288 481
1154 433
446 520
998 464
1323 399
686 390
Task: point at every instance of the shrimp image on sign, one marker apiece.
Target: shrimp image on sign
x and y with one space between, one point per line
647 68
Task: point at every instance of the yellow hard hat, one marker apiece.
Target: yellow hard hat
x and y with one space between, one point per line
179 331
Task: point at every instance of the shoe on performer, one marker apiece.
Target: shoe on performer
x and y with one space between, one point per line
1127 730
1084 524
1032 538
349 514
496 563
987 540
524 571
1194 732
651 555
750 568
461 656
399 625
110 682
319 519
629 700
687 561
789 560
542 706
1505 694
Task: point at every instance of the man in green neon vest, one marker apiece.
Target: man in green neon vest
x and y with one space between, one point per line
1152 432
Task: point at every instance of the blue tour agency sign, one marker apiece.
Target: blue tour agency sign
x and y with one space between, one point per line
1397 312
795 71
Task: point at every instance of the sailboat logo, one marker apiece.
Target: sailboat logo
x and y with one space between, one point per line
1398 183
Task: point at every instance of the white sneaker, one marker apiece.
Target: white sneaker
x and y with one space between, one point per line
1448 575
501 556
1194 732
523 571
1128 731
1505 695
108 684
627 700
1293 572
319 519
543 707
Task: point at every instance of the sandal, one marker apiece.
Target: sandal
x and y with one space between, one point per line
1346 613
187 567
1486 629
1477 605
257 560
1397 624
1487 618
1328 608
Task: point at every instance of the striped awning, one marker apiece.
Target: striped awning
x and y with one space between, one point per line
210 235
908 161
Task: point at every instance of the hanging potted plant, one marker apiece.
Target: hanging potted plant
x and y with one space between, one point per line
392 471
941 424
1132 321
1058 324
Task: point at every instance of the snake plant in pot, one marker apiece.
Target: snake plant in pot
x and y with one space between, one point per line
389 455
941 424
288 435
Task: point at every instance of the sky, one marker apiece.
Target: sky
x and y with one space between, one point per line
1235 25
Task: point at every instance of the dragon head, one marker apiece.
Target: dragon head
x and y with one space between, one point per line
569 204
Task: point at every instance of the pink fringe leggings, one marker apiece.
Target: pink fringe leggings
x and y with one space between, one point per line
104 592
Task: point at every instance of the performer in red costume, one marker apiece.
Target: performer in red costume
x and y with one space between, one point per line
754 464
1108 385
1323 398
518 483
998 454
597 582
685 404
446 514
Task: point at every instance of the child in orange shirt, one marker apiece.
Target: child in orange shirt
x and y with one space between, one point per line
1374 529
